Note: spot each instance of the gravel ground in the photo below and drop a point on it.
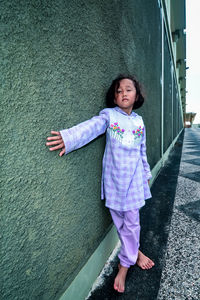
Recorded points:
(181, 272)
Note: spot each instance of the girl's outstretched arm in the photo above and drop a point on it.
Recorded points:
(56, 142)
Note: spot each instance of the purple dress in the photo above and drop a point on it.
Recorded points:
(125, 170)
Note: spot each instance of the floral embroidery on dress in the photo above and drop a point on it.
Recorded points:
(126, 137)
(116, 132)
(138, 132)
(116, 129)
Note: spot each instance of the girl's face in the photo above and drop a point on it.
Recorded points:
(125, 95)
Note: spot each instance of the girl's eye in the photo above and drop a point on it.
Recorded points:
(118, 91)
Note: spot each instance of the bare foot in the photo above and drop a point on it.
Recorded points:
(144, 262)
(119, 284)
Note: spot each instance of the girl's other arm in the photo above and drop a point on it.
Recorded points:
(56, 142)
(144, 157)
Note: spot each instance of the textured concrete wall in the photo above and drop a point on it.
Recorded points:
(167, 96)
(58, 59)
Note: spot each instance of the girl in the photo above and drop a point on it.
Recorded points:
(125, 172)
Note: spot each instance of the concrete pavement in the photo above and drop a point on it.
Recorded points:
(170, 230)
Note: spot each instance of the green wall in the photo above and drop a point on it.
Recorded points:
(58, 59)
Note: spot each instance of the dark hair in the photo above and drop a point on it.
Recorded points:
(110, 96)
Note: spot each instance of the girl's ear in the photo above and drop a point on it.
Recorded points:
(114, 100)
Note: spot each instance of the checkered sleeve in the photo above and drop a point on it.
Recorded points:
(144, 156)
(81, 134)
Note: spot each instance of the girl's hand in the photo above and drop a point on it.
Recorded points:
(56, 140)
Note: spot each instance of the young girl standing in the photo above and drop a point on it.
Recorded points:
(125, 170)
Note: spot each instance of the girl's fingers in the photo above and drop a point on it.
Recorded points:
(56, 136)
(55, 132)
(57, 147)
(62, 152)
(50, 138)
(56, 140)
(55, 143)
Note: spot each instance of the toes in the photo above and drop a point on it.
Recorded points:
(149, 264)
(118, 289)
(145, 263)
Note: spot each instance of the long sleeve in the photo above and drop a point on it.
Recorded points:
(81, 134)
(144, 157)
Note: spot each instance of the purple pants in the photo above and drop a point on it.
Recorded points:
(128, 228)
